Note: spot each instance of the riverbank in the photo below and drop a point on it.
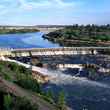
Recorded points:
(89, 35)
(18, 81)
(77, 43)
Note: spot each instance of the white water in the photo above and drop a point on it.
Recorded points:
(77, 88)
(59, 78)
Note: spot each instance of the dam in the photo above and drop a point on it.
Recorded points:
(51, 51)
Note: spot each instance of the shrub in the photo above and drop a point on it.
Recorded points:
(61, 101)
(7, 102)
(24, 104)
(27, 82)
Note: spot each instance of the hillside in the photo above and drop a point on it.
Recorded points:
(18, 90)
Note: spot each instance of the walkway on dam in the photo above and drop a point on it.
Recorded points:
(51, 51)
(61, 48)
(58, 51)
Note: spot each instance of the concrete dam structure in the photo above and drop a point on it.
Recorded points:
(38, 73)
(51, 51)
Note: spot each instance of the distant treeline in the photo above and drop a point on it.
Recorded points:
(82, 34)
(4, 30)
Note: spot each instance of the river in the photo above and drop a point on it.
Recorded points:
(25, 40)
(81, 92)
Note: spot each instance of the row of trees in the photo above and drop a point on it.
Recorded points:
(91, 27)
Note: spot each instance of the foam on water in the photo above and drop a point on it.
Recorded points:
(59, 78)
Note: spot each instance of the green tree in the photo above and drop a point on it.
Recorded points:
(7, 102)
(27, 82)
(13, 66)
(50, 96)
(61, 101)
(24, 104)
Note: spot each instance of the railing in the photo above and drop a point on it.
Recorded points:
(6, 49)
(55, 48)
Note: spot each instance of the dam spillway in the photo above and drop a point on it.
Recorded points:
(52, 51)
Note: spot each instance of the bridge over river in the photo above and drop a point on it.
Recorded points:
(51, 51)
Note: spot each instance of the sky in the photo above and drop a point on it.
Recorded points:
(54, 12)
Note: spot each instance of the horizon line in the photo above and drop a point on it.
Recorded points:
(55, 25)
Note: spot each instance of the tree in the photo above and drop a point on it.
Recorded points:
(50, 96)
(24, 104)
(13, 66)
(61, 101)
(27, 82)
(7, 102)
(1, 100)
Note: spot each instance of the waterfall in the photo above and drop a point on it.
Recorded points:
(59, 78)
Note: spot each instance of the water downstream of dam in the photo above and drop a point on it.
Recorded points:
(82, 92)
(86, 88)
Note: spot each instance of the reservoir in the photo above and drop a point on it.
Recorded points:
(25, 40)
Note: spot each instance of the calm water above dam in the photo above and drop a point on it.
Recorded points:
(25, 40)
